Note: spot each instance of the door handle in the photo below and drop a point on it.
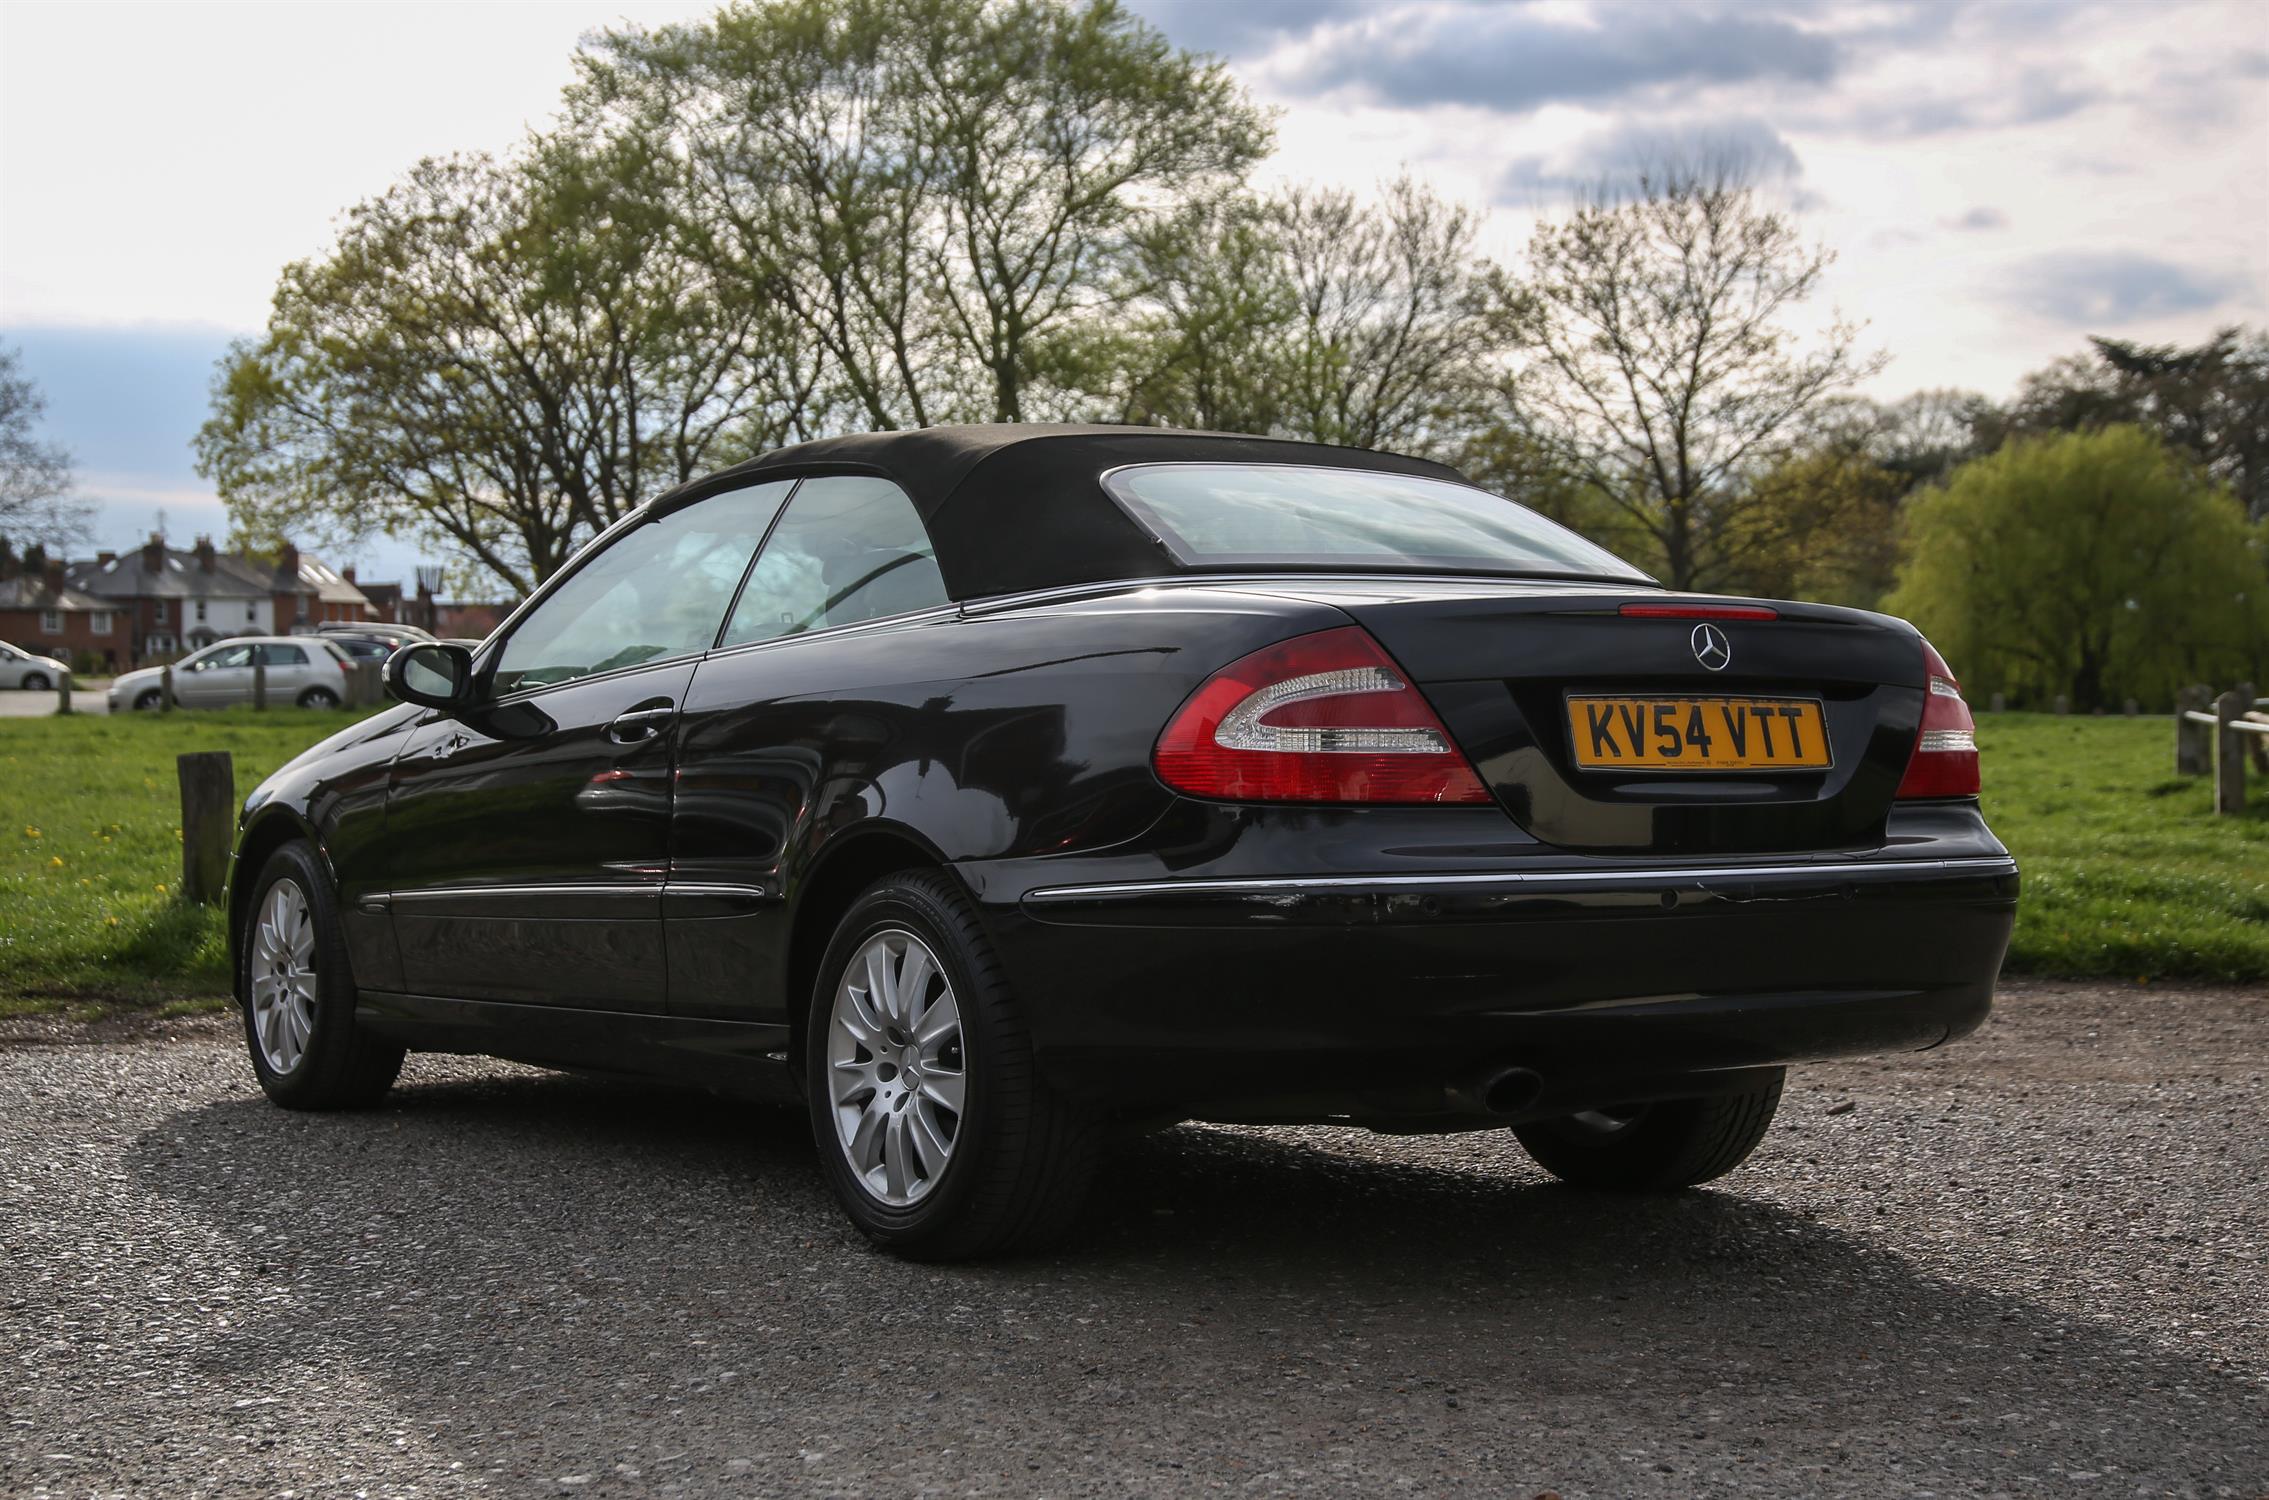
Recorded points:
(641, 723)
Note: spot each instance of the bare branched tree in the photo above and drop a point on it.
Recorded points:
(36, 502)
(1661, 362)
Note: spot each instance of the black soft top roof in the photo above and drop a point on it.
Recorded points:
(1015, 506)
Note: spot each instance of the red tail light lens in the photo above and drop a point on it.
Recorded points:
(1944, 762)
(1326, 717)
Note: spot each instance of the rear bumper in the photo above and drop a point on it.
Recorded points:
(1391, 998)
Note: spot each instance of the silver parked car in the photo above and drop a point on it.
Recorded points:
(21, 669)
(302, 669)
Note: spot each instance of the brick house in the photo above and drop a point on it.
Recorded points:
(178, 600)
(41, 613)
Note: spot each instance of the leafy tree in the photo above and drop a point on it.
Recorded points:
(2210, 400)
(2098, 565)
(35, 476)
(503, 356)
(945, 193)
(1314, 315)
(1659, 359)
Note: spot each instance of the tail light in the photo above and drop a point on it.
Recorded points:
(1327, 717)
(1944, 763)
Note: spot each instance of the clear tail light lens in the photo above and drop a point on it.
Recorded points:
(1327, 717)
(1944, 762)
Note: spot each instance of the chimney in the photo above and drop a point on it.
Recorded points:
(52, 575)
(105, 559)
(204, 551)
(287, 562)
(348, 572)
(153, 554)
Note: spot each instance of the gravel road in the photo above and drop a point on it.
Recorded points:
(2033, 1264)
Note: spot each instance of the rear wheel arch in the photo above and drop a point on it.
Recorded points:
(846, 866)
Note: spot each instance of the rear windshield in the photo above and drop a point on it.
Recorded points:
(1278, 515)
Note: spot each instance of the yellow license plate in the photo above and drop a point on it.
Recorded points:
(1698, 734)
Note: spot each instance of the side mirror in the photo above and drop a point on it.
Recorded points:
(435, 675)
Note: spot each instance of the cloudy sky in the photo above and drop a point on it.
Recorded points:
(1998, 179)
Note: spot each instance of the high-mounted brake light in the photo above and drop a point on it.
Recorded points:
(1327, 717)
(1944, 762)
(1699, 612)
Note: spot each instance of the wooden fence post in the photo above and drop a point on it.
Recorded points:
(208, 819)
(165, 688)
(2000, 704)
(259, 677)
(2063, 704)
(2229, 750)
(2193, 742)
(63, 693)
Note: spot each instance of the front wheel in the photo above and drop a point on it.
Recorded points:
(299, 995)
(35, 682)
(318, 698)
(149, 699)
(1672, 1143)
(934, 1130)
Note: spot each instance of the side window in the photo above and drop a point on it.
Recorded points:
(282, 656)
(657, 591)
(226, 656)
(850, 548)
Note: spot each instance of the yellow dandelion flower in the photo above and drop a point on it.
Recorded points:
(55, 863)
(30, 832)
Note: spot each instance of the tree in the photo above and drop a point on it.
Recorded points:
(35, 476)
(506, 356)
(947, 194)
(1314, 315)
(2210, 400)
(1659, 361)
(2098, 565)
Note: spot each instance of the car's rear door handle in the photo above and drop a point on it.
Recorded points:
(641, 723)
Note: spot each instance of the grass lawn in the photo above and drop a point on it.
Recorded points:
(90, 852)
(2127, 873)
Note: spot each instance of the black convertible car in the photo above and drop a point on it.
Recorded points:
(992, 788)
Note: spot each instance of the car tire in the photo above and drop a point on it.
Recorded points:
(35, 682)
(148, 699)
(298, 994)
(1016, 1157)
(1673, 1143)
(318, 698)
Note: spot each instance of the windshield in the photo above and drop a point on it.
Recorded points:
(1282, 515)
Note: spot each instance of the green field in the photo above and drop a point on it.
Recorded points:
(2127, 874)
(90, 852)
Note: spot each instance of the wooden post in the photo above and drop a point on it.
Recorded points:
(259, 677)
(165, 688)
(1999, 705)
(2229, 751)
(63, 693)
(2063, 704)
(208, 818)
(2131, 708)
(2193, 742)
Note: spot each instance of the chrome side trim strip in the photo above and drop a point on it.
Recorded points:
(640, 892)
(1536, 880)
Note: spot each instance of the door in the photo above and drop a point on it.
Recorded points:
(527, 837)
(766, 720)
(288, 673)
(219, 676)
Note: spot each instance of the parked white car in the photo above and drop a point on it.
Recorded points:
(302, 669)
(21, 669)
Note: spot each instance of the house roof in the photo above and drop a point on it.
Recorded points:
(181, 574)
(29, 591)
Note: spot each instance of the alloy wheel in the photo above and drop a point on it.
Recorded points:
(896, 1067)
(283, 980)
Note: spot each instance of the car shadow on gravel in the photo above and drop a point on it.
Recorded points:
(581, 1268)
